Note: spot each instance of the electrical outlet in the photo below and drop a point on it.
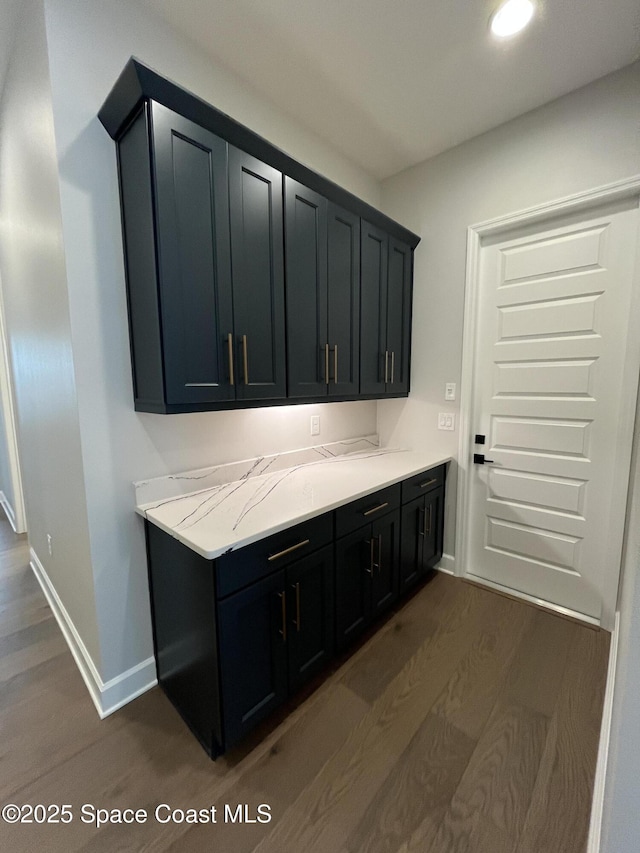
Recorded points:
(450, 391)
(446, 420)
(315, 424)
(50, 544)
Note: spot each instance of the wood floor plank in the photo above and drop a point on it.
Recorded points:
(476, 684)
(500, 778)
(422, 782)
(536, 677)
(561, 806)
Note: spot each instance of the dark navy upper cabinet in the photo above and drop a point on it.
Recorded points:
(205, 266)
(343, 294)
(385, 299)
(251, 279)
(323, 288)
(306, 265)
(194, 262)
(255, 191)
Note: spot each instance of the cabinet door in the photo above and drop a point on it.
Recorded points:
(412, 542)
(192, 218)
(343, 252)
(255, 209)
(384, 580)
(374, 360)
(310, 615)
(353, 585)
(306, 267)
(253, 654)
(398, 316)
(434, 517)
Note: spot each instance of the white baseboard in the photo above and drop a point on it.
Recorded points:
(8, 511)
(597, 803)
(447, 564)
(107, 696)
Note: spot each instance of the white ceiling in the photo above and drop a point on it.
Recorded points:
(392, 82)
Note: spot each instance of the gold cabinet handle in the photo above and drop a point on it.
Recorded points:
(326, 364)
(230, 346)
(430, 514)
(245, 359)
(286, 551)
(386, 366)
(369, 571)
(378, 565)
(283, 631)
(297, 620)
(335, 364)
(376, 508)
(428, 483)
(393, 365)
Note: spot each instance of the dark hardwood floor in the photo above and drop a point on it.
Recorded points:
(469, 722)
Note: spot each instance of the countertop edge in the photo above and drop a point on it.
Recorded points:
(298, 519)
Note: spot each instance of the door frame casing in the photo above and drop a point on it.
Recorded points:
(584, 201)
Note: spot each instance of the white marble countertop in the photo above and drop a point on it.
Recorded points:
(229, 515)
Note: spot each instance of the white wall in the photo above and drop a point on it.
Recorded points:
(583, 140)
(32, 267)
(89, 45)
(621, 820)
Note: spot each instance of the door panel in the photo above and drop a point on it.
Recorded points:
(411, 546)
(433, 515)
(552, 344)
(386, 538)
(310, 609)
(253, 655)
(373, 308)
(255, 208)
(353, 585)
(306, 264)
(398, 316)
(344, 300)
(190, 172)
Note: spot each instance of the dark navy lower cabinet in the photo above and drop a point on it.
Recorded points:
(366, 575)
(421, 541)
(236, 636)
(253, 655)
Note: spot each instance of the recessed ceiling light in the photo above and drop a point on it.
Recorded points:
(511, 17)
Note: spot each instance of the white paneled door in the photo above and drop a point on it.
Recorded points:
(549, 389)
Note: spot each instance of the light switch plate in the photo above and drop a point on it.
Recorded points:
(446, 420)
(315, 424)
(450, 391)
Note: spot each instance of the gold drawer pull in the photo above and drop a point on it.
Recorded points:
(376, 508)
(286, 551)
(428, 483)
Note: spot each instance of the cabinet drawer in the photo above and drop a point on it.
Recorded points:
(255, 561)
(367, 509)
(422, 483)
